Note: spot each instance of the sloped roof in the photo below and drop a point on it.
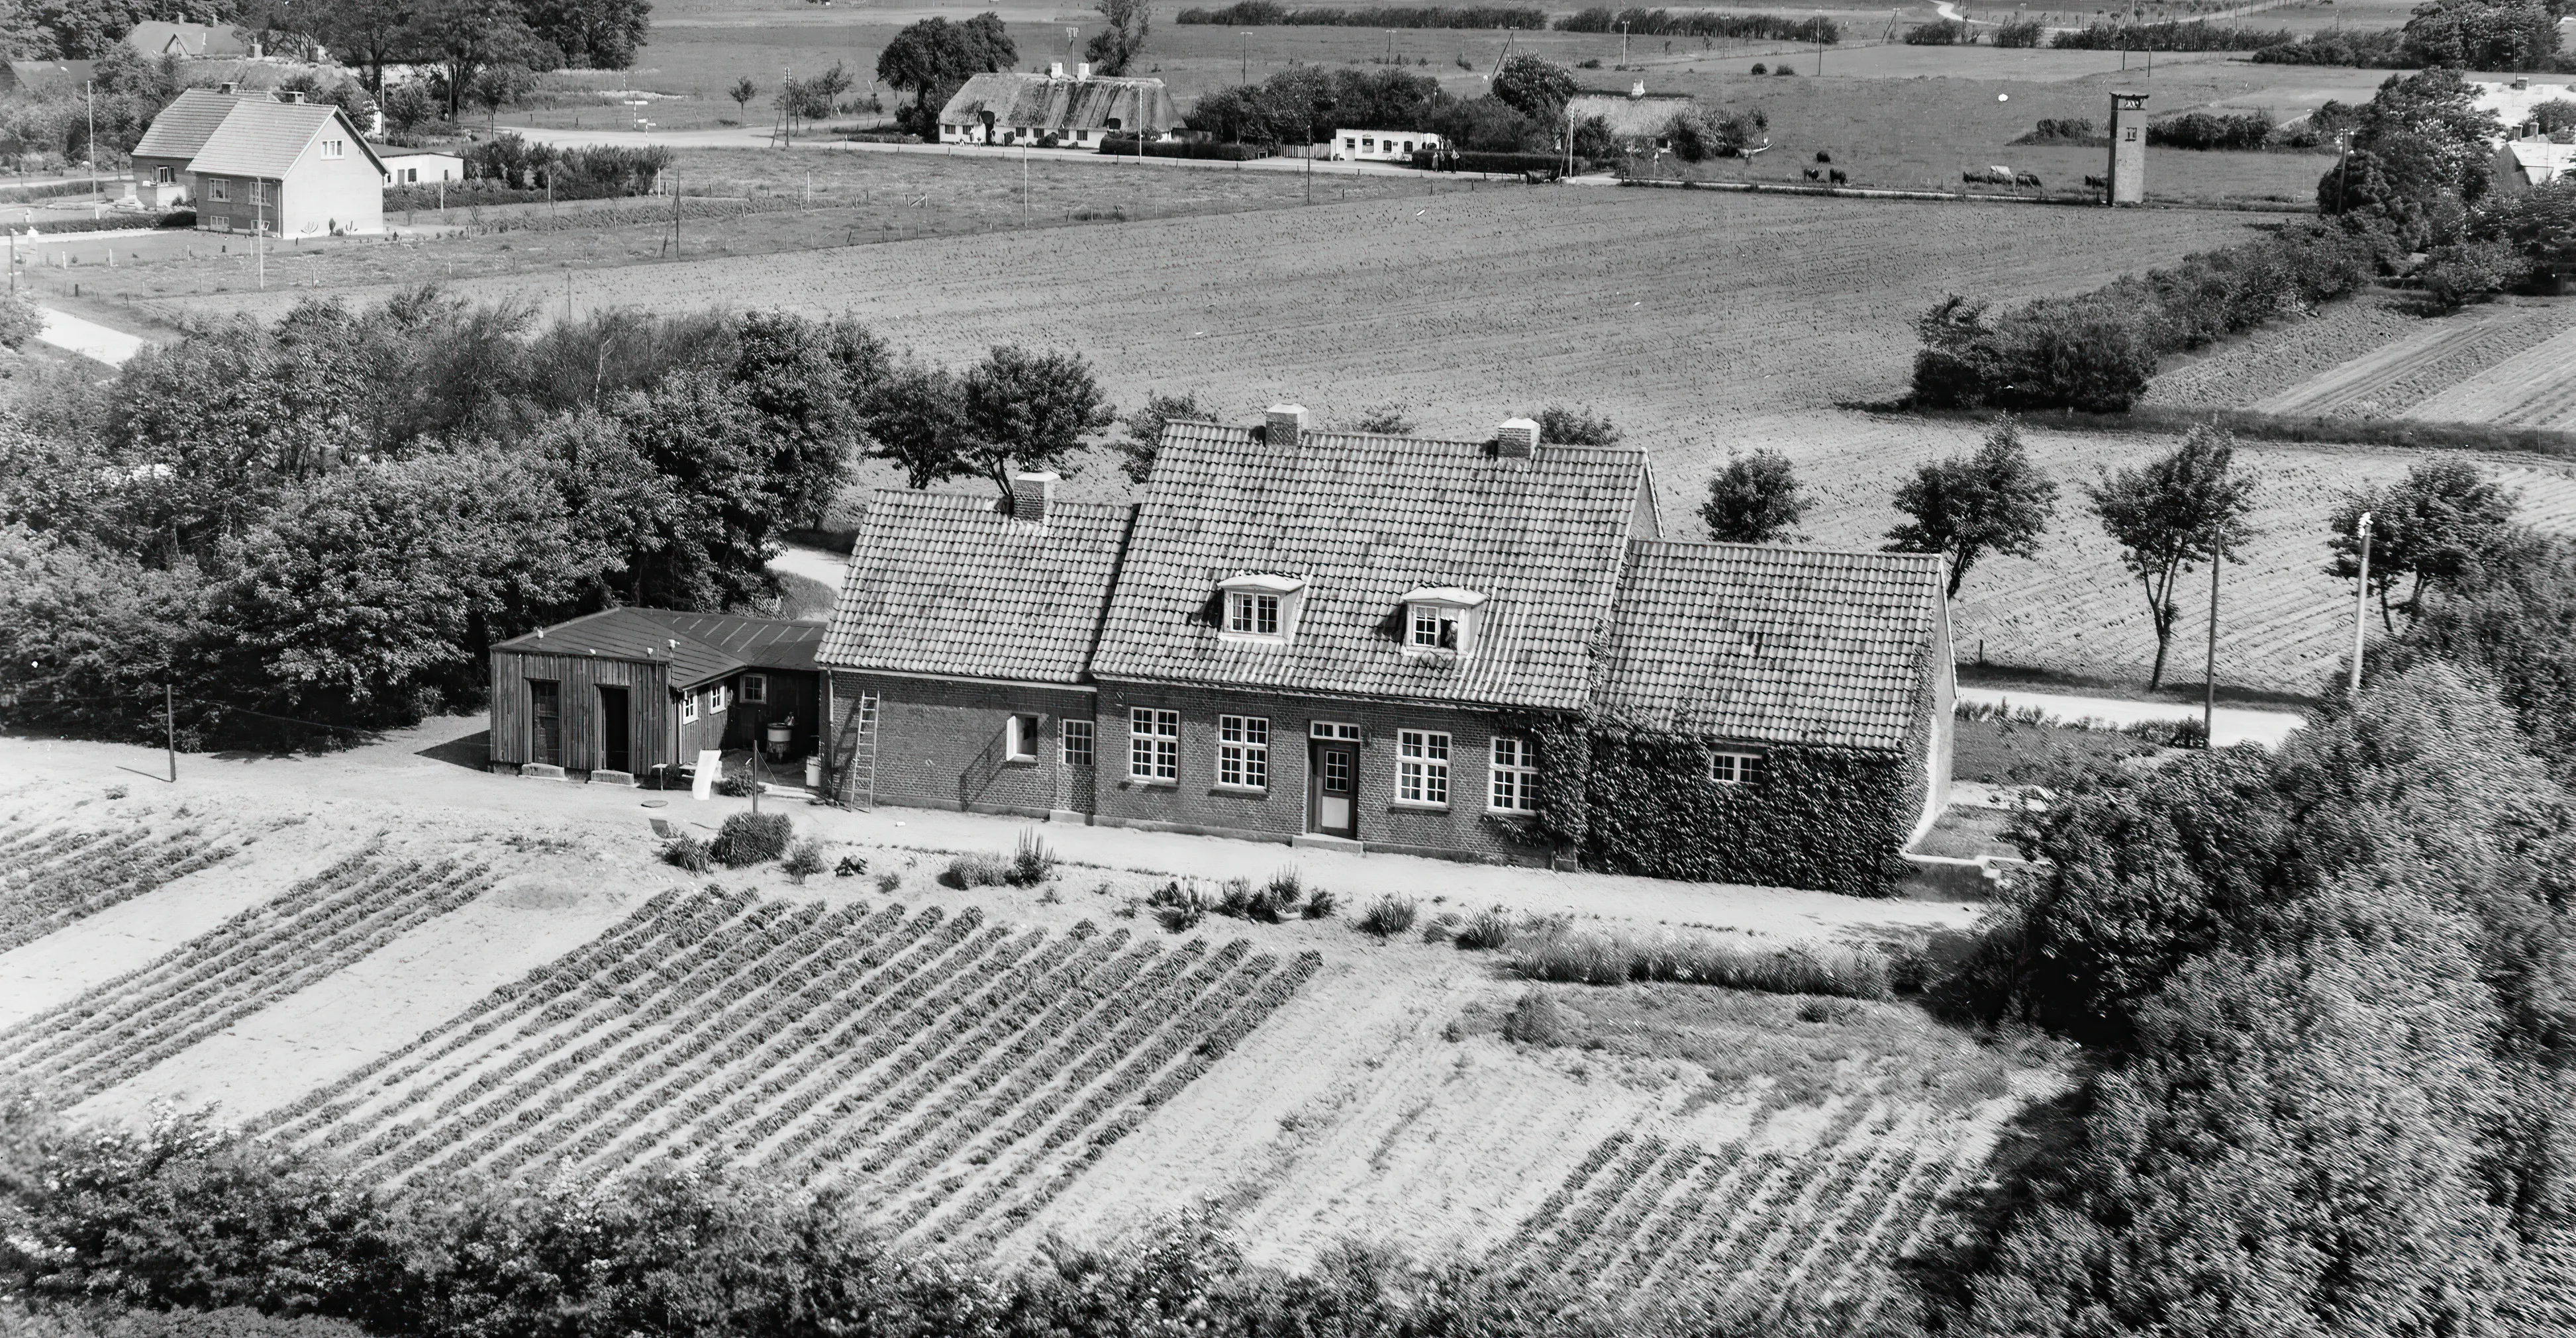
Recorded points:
(183, 127)
(947, 585)
(1365, 518)
(1048, 103)
(1629, 117)
(23, 76)
(260, 138)
(386, 153)
(159, 37)
(709, 645)
(1773, 644)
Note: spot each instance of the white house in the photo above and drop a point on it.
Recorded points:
(293, 169)
(1054, 111)
(413, 167)
(1380, 146)
(2533, 162)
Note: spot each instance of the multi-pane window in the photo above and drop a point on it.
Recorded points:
(716, 699)
(335, 148)
(1243, 751)
(1434, 627)
(1253, 615)
(755, 689)
(1333, 730)
(1077, 742)
(1735, 768)
(1515, 777)
(1154, 744)
(218, 190)
(1020, 738)
(688, 707)
(1421, 766)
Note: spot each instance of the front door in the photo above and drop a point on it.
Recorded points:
(545, 722)
(614, 754)
(1333, 783)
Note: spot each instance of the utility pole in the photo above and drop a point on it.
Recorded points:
(90, 87)
(170, 730)
(1024, 181)
(2209, 674)
(2361, 607)
(1623, 44)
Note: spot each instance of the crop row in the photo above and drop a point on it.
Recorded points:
(691, 918)
(120, 1028)
(1713, 1181)
(1623, 1233)
(49, 888)
(1206, 1035)
(1789, 1222)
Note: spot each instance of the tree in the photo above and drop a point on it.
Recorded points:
(1965, 507)
(742, 92)
(786, 373)
(594, 34)
(1391, 419)
(2425, 530)
(1754, 500)
(2482, 35)
(1144, 438)
(1028, 410)
(1114, 48)
(1572, 427)
(2187, 507)
(916, 418)
(408, 106)
(500, 85)
(933, 56)
(370, 34)
(696, 430)
(1536, 88)
(464, 36)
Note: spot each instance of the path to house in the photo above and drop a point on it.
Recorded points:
(88, 338)
(2235, 724)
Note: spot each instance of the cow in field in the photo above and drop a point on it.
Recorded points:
(1841, 178)
(1813, 174)
(2026, 179)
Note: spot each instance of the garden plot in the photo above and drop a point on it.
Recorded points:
(957, 1072)
(54, 873)
(2533, 388)
(2394, 380)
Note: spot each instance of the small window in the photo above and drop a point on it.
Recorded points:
(1737, 768)
(411, 175)
(1077, 742)
(1020, 738)
(1333, 731)
(335, 148)
(1252, 614)
(688, 707)
(1422, 767)
(219, 190)
(716, 699)
(1515, 777)
(1435, 628)
(1243, 752)
(755, 689)
(1154, 745)
(2132, 134)
(1408, 146)
(162, 175)
(1367, 143)
(1350, 143)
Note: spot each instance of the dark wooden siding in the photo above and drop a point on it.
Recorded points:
(649, 707)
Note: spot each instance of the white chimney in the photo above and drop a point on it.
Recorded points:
(1283, 425)
(1516, 439)
(1055, 69)
(1082, 70)
(227, 88)
(1032, 494)
(1637, 89)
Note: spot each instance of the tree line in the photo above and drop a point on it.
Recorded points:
(321, 525)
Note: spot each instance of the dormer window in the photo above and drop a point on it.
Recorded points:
(1261, 608)
(1440, 620)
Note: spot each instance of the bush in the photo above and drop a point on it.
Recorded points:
(1940, 32)
(688, 852)
(1442, 928)
(2064, 130)
(976, 869)
(1320, 904)
(2204, 130)
(1032, 863)
(738, 785)
(2026, 33)
(1120, 146)
(1486, 930)
(751, 838)
(2173, 35)
(1537, 1018)
(1389, 915)
(851, 866)
(1178, 906)
(1703, 23)
(804, 860)
(1458, 160)
(1269, 13)
(1759, 68)
(1784, 69)
(1611, 957)
(1268, 903)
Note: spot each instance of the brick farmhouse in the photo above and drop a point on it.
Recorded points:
(1472, 649)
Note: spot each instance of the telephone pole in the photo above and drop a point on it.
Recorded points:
(2361, 607)
(2209, 674)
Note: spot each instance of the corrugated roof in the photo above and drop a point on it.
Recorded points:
(183, 127)
(260, 138)
(160, 37)
(942, 584)
(1365, 518)
(1773, 645)
(709, 645)
(1042, 102)
(1629, 117)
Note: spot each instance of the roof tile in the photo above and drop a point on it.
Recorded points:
(947, 585)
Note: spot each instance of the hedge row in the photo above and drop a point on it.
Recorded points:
(2097, 351)
(176, 218)
(2207, 130)
(1227, 153)
(1438, 160)
(2173, 35)
(1271, 14)
(1701, 23)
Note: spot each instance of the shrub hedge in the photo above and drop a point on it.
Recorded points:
(1118, 147)
(1269, 13)
(1435, 160)
(176, 218)
(2204, 130)
(2172, 35)
(1702, 23)
(751, 838)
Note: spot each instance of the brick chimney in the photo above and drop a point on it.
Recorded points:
(295, 95)
(1283, 425)
(1516, 439)
(1033, 495)
(227, 88)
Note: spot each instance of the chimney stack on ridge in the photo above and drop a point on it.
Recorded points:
(1283, 425)
(1516, 439)
(1032, 495)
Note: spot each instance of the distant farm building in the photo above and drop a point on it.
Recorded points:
(1053, 109)
(294, 169)
(2534, 161)
(154, 38)
(1380, 146)
(1637, 119)
(413, 167)
(26, 78)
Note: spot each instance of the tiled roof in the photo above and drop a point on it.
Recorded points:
(1629, 117)
(1048, 103)
(388, 152)
(260, 138)
(183, 127)
(27, 76)
(160, 37)
(947, 585)
(1773, 644)
(709, 645)
(1364, 519)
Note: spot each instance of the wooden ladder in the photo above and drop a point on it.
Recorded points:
(859, 734)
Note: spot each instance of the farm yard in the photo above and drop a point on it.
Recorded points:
(961, 1059)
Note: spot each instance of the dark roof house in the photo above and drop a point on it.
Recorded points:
(1082, 106)
(155, 38)
(1353, 638)
(630, 692)
(181, 129)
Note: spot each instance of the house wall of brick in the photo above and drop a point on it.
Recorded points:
(1281, 812)
(942, 744)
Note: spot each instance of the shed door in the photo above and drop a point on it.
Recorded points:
(615, 753)
(545, 722)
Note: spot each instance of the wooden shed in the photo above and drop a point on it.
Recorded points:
(635, 693)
